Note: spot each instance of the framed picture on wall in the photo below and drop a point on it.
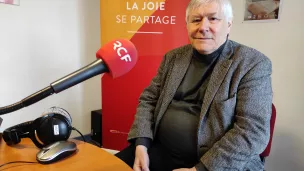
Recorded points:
(262, 10)
(11, 2)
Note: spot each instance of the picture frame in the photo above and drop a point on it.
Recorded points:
(10, 2)
(262, 10)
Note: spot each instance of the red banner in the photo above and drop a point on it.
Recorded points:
(155, 27)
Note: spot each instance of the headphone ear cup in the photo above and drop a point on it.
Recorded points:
(15, 139)
(52, 128)
(11, 137)
(14, 134)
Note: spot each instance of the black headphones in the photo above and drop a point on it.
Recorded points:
(54, 125)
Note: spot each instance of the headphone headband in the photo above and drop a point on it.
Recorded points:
(58, 110)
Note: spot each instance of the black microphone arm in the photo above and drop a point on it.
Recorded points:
(89, 71)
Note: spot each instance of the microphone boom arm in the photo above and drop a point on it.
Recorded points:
(89, 71)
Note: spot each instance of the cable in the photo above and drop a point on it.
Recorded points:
(79, 133)
(84, 138)
(92, 141)
(17, 162)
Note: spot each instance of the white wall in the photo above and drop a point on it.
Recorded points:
(42, 41)
(283, 43)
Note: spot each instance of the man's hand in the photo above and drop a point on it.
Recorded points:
(141, 162)
(184, 169)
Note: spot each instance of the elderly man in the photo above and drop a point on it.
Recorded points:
(209, 106)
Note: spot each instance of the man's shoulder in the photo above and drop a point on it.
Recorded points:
(180, 50)
(244, 52)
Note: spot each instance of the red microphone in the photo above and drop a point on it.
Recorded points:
(119, 55)
(116, 58)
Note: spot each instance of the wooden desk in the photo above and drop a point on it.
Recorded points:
(87, 158)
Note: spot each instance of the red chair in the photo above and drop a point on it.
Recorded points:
(266, 152)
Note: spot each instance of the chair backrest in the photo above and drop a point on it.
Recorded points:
(266, 152)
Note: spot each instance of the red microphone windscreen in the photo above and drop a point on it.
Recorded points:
(119, 55)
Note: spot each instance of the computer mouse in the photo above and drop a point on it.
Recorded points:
(56, 151)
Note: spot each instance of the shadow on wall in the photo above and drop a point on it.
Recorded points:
(287, 153)
(89, 17)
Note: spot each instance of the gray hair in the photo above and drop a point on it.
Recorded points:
(225, 5)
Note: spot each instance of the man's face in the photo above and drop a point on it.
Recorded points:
(207, 28)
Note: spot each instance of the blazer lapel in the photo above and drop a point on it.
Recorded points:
(219, 72)
(177, 73)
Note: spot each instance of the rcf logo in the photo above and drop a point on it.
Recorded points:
(118, 48)
(118, 132)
